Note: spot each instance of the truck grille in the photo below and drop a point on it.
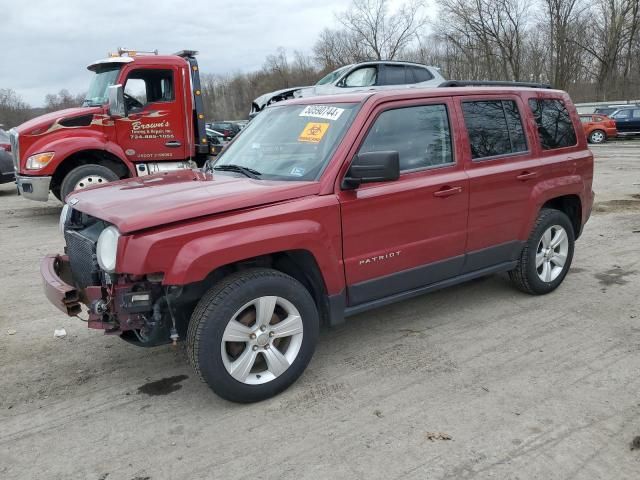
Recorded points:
(82, 258)
(13, 140)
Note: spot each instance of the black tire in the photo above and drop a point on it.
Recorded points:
(217, 308)
(78, 173)
(597, 136)
(525, 275)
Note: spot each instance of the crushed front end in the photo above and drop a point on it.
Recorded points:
(137, 307)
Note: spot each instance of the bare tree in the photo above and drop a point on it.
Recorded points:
(61, 100)
(383, 35)
(13, 110)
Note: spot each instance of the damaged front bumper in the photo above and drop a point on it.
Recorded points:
(56, 275)
(126, 306)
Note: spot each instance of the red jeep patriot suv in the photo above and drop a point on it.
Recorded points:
(323, 208)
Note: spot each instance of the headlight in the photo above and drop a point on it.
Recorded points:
(107, 248)
(64, 215)
(39, 160)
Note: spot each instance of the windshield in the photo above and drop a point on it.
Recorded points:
(292, 142)
(97, 94)
(333, 76)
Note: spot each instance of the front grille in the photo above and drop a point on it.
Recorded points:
(82, 259)
(13, 140)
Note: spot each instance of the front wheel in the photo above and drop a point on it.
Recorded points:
(597, 136)
(253, 334)
(547, 255)
(86, 176)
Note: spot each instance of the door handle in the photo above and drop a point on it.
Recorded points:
(526, 175)
(173, 144)
(447, 191)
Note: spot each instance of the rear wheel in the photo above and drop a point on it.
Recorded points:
(546, 258)
(86, 176)
(253, 334)
(597, 136)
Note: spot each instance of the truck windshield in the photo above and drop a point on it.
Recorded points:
(292, 142)
(97, 94)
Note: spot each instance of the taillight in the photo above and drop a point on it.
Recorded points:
(5, 146)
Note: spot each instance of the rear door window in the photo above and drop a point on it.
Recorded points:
(555, 129)
(494, 128)
(395, 75)
(421, 136)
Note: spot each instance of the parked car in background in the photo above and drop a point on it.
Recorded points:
(379, 75)
(228, 129)
(7, 172)
(217, 141)
(609, 110)
(322, 208)
(627, 121)
(598, 128)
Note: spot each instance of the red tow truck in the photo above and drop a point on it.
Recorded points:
(143, 114)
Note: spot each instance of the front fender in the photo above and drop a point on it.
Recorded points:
(65, 146)
(188, 252)
(197, 258)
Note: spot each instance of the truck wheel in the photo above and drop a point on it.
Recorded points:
(547, 255)
(86, 176)
(597, 136)
(253, 334)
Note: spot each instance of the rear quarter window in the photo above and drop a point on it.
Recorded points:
(494, 128)
(555, 128)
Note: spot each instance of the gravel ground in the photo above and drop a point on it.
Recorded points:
(476, 381)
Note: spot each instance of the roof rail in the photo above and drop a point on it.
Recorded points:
(491, 83)
(186, 53)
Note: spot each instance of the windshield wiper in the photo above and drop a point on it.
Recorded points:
(246, 171)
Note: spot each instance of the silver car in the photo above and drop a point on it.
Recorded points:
(377, 75)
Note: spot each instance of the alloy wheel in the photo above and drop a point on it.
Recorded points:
(262, 340)
(552, 252)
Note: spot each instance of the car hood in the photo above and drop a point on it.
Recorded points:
(263, 100)
(35, 125)
(145, 202)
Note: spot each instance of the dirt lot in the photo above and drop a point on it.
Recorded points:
(476, 381)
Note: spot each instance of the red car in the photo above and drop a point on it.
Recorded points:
(598, 128)
(323, 208)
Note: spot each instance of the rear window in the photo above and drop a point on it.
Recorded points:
(421, 74)
(494, 128)
(555, 128)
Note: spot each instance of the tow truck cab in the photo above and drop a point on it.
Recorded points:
(143, 114)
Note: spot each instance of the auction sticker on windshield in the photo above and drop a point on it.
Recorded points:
(313, 132)
(322, 111)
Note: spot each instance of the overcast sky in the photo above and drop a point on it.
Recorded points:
(46, 45)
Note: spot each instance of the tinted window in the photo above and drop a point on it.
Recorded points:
(420, 74)
(420, 135)
(494, 128)
(626, 113)
(394, 75)
(555, 128)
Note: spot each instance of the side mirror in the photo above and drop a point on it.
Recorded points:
(117, 107)
(372, 167)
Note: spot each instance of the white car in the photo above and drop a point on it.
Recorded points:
(358, 77)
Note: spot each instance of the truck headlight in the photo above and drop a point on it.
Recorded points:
(39, 160)
(64, 215)
(107, 249)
